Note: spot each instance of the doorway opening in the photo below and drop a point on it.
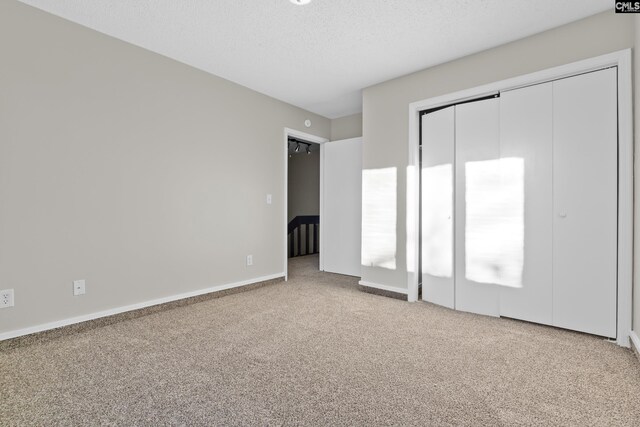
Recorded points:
(303, 198)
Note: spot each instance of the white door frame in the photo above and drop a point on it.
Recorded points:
(621, 59)
(316, 140)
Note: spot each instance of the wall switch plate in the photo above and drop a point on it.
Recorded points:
(268, 199)
(78, 287)
(6, 298)
(249, 260)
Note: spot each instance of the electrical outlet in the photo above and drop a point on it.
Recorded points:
(249, 260)
(78, 287)
(6, 298)
(269, 198)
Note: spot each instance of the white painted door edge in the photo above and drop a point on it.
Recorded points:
(621, 59)
(317, 140)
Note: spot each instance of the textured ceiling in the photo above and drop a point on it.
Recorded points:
(319, 56)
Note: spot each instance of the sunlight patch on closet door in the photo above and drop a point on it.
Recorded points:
(494, 221)
(437, 224)
(413, 186)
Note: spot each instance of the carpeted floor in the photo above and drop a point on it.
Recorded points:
(317, 351)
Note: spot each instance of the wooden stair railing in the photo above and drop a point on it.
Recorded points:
(311, 225)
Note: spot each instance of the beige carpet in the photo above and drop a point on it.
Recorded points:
(317, 351)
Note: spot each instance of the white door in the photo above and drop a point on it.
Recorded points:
(341, 216)
(481, 235)
(585, 202)
(437, 158)
(526, 133)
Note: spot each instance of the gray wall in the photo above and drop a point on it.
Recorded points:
(142, 175)
(385, 106)
(304, 185)
(346, 127)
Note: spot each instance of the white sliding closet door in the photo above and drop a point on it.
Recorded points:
(438, 139)
(526, 133)
(585, 202)
(531, 179)
(479, 230)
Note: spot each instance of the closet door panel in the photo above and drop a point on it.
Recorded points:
(526, 135)
(585, 202)
(477, 208)
(438, 139)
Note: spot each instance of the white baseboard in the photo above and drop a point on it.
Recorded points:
(383, 287)
(124, 309)
(635, 342)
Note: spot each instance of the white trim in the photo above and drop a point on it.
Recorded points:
(625, 198)
(413, 210)
(383, 287)
(635, 341)
(621, 59)
(316, 140)
(137, 306)
(321, 207)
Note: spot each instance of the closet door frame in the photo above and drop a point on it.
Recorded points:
(620, 59)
